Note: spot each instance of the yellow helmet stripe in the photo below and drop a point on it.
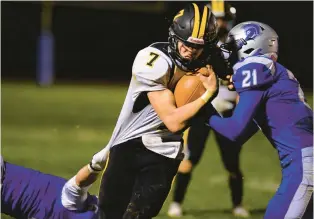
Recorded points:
(203, 23)
(196, 21)
(179, 14)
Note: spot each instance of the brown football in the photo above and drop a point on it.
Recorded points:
(189, 87)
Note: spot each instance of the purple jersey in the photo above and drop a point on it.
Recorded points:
(271, 96)
(27, 193)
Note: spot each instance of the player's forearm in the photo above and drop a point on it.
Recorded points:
(236, 126)
(231, 128)
(85, 177)
(176, 119)
(180, 117)
(88, 174)
(250, 130)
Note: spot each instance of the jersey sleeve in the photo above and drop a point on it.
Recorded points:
(150, 71)
(237, 126)
(254, 72)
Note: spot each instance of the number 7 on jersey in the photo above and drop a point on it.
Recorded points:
(151, 62)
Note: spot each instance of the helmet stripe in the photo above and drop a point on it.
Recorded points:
(203, 23)
(179, 14)
(196, 21)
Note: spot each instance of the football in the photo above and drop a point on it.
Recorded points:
(190, 87)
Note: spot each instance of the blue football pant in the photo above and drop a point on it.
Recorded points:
(296, 189)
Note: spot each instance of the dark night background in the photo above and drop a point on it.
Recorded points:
(95, 42)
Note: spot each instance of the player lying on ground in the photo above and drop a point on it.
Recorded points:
(27, 193)
(197, 135)
(146, 145)
(271, 96)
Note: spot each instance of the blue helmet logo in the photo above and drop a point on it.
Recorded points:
(252, 31)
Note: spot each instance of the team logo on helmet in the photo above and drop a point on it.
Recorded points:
(196, 40)
(252, 31)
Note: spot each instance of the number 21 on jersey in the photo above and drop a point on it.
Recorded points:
(250, 78)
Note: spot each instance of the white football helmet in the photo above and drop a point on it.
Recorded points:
(252, 36)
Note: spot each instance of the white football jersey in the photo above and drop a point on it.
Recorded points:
(152, 70)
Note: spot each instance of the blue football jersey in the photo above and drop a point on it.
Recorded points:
(253, 72)
(271, 96)
(27, 193)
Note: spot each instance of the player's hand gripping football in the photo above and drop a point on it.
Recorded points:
(209, 79)
(230, 83)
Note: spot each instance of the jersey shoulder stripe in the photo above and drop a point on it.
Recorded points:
(261, 60)
(162, 46)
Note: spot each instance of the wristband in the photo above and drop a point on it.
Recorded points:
(206, 96)
(92, 169)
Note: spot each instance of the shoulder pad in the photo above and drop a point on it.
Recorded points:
(162, 46)
(151, 64)
(253, 72)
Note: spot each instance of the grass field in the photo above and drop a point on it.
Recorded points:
(57, 130)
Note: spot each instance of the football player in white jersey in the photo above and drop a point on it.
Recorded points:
(196, 136)
(146, 145)
(145, 149)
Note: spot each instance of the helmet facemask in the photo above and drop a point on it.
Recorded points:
(187, 64)
(203, 36)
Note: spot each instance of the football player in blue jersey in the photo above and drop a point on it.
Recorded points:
(271, 97)
(27, 193)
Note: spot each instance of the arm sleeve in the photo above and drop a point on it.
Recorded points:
(236, 126)
(250, 130)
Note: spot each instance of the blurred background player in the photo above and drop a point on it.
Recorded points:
(28, 193)
(196, 135)
(271, 98)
